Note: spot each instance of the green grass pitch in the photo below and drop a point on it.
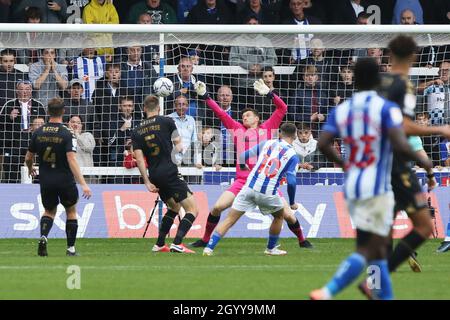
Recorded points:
(126, 269)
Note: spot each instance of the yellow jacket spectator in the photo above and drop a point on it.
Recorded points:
(101, 12)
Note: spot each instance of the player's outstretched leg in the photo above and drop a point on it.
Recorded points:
(407, 246)
(164, 228)
(191, 210)
(71, 230)
(46, 225)
(221, 230)
(371, 251)
(274, 234)
(294, 226)
(224, 202)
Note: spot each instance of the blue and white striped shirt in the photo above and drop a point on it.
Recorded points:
(363, 122)
(276, 160)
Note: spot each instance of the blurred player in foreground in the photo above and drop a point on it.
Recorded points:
(371, 127)
(245, 136)
(155, 139)
(56, 146)
(276, 160)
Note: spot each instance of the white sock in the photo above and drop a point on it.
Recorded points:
(71, 249)
(328, 294)
(447, 238)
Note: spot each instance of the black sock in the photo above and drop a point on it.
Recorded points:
(184, 227)
(404, 249)
(164, 229)
(46, 225)
(71, 232)
(213, 219)
(390, 248)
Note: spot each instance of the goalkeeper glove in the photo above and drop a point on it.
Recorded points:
(200, 89)
(262, 88)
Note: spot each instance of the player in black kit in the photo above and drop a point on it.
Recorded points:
(405, 185)
(154, 140)
(55, 146)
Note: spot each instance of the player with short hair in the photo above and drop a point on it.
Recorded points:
(56, 146)
(245, 136)
(408, 193)
(371, 127)
(276, 161)
(153, 142)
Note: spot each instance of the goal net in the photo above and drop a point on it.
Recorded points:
(103, 72)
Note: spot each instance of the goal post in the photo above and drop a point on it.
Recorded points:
(104, 72)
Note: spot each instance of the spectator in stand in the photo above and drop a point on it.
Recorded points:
(30, 56)
(437, 96)
(137, 76)
(347, 11)
(210, 149)
(376, 53)
(150, 53)
(85, 145)
(310, 103)
(5, 8)
(85, 142)
(407, 17)
(37, 123)
(262, 13)
(363, 18)
(54, 11)
(74, 104)
(344, 88)
(316, 8)
(212, 12)
(16, 117)
(183, 83)
(89, 68)
(436, 12)
(102, 12)
(209, 12)
(298, 17)
(412, 5)
(187, 129)
(326, 67)
(257, 53)
(159, 11)
(306, 148)
(9, 76)
(106, 101)
(48, 77)
(183, 9)
(120, 128)
(442, 80)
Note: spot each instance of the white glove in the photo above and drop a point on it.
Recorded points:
(261, 87)
(200, 88)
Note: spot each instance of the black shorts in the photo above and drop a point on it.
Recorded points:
(53, 195)
(172, 186)
(407, 191)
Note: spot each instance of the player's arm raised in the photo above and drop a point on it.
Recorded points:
(75, 168)
(275, 119)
